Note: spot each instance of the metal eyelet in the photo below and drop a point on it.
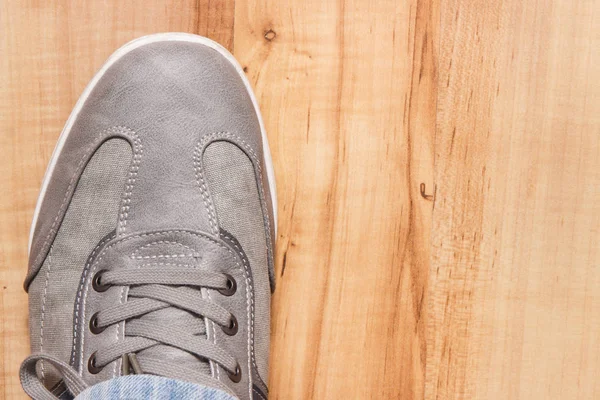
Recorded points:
(231, 286)
(92, 365)
(94, 328)
(97, 282)
(232, 328)
(237, 375)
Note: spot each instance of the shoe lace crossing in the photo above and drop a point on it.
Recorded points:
(150, 290)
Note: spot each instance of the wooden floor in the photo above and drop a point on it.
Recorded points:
(438, 171)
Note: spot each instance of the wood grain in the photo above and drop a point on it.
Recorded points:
(515, 277)
(438, 170)
(346, 89)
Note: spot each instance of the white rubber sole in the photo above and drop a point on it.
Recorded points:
(134, 44)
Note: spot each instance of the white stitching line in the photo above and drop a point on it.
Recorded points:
(205, 141)
(259, 393)
(162, 256)
(44, 313)
(155, 242)
(249, 307)
(158, 264)
(78, 169)
(214, 335)
(82, 287)
(137, 147)
(146, 246)
(249, 310)
(133, 171)
(251, 321)
(212, 217)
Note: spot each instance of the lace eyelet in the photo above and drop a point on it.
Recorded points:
(232, 328)
(94, 328)
(97, 282)
(231, 286)
(92, 365)
(237, 375)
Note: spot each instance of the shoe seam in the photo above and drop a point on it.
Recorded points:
(78, 298)
(137, 149)
(44, 298)
(116, 130)
(251, 357)
(205, 141)
(206, 199)
(135, 254)
(259, 393)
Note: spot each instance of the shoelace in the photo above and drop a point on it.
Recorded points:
(151, 289)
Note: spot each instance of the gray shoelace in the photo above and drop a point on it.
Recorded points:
(151, 289)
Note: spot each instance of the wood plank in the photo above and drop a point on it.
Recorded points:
(50, 50)
(347, 93)
(348, 90)
(516, 232)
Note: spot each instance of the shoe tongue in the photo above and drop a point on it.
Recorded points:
(169, 255)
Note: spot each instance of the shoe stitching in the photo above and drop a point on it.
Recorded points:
(240, 270)
(77, 300)
(154, 243)
(251, 334)
(205, 141)
(133, 171)
(101, 255)
(212, 216)
(137, 149)
(78, 169)
(118, 330)
(162, 256)
(214, 336)
(44, 297)
(203, 144)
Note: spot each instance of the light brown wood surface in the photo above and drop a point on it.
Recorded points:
(438, 171)
(515, 271)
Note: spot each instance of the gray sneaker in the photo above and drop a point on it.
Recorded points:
(152, 241)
